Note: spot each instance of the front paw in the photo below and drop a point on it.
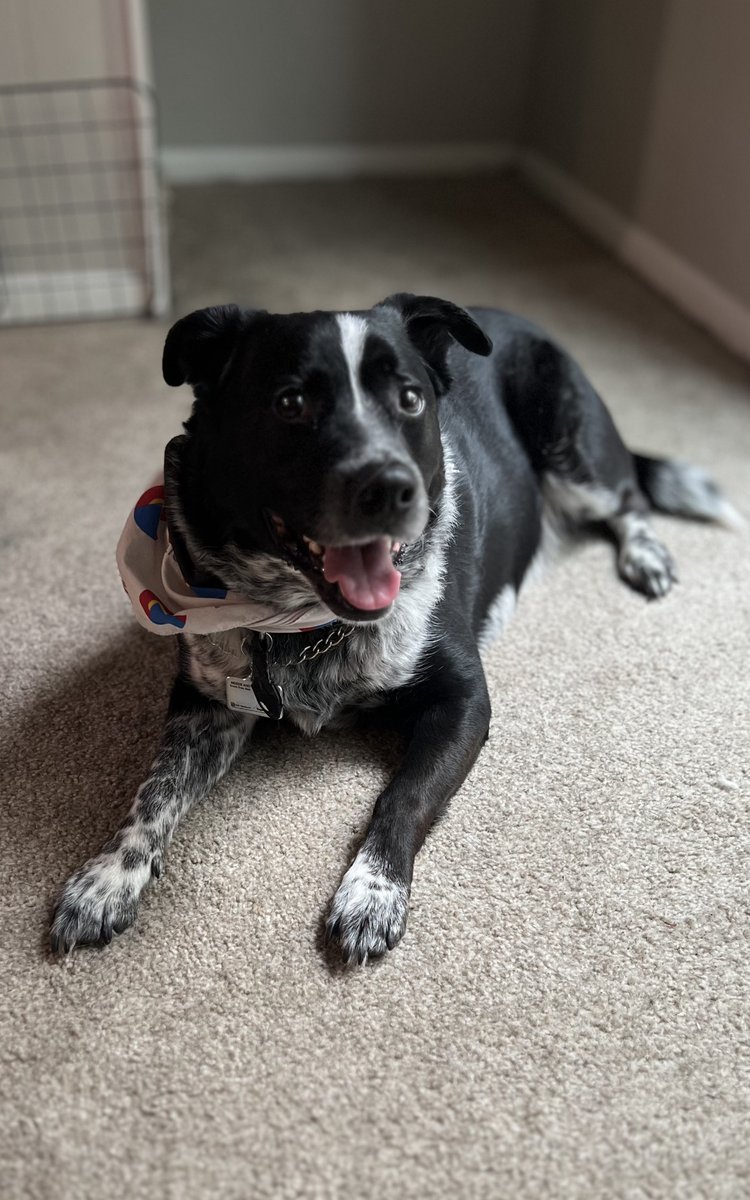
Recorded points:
(368, 913)
(99, 900)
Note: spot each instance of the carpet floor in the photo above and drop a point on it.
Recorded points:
(567, 1015)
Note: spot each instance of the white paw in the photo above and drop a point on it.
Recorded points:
(101, 899)
(368, 913)
(646, 564)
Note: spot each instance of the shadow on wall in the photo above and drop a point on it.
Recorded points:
(592, 81)
(279, 73)
(636, 125)
(434, 71)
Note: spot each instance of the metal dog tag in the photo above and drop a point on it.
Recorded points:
(245, 696)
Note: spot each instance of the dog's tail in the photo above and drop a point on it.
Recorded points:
(677, 487)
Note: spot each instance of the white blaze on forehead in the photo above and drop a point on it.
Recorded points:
(353, 331)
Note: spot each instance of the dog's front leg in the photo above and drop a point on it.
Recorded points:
(368, 913)
(201, 739)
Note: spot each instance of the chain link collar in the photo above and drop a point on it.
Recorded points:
(309, 653)
(336, 636)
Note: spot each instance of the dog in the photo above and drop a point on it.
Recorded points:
(349, 516)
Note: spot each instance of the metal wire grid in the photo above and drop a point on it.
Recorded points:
(81, 220)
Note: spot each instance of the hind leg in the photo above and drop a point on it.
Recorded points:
(643, 561)
(587, 473)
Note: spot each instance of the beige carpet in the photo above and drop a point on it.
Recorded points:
(568, 1013)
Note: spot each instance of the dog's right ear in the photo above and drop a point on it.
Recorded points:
(199, 346)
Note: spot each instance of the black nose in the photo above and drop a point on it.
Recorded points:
(385, 491)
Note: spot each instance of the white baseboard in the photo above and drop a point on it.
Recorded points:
(257, 164)
(687, 287)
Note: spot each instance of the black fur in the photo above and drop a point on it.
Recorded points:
(312, 423)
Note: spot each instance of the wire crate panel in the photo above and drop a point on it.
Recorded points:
(81, 216)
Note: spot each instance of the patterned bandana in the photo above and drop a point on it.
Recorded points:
(165, 603)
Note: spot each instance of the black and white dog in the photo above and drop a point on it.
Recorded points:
(398, 468)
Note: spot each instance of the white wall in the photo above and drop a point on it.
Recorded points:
(292, 74)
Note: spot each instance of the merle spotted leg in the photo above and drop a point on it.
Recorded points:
(201, 740)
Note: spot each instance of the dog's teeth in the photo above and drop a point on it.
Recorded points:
(315, 547)
(395, 547)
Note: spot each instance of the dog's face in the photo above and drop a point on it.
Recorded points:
(315, 438)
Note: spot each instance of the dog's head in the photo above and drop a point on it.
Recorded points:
(314, 439)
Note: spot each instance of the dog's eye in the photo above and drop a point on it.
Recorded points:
(291, 406)
(411, 401)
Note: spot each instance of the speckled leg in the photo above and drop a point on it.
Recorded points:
(201, 740)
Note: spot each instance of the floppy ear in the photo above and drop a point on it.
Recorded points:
(431, 324)
(199, 346)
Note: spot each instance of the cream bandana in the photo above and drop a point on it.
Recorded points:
(165, 603)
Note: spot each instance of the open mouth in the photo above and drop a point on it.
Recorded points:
(355, 579)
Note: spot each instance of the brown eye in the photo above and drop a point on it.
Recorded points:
(291, 406)
(411, 401)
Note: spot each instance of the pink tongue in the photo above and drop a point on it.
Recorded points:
(366, 575)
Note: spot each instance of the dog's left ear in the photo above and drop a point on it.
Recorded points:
(199, 346)
(431, 324)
